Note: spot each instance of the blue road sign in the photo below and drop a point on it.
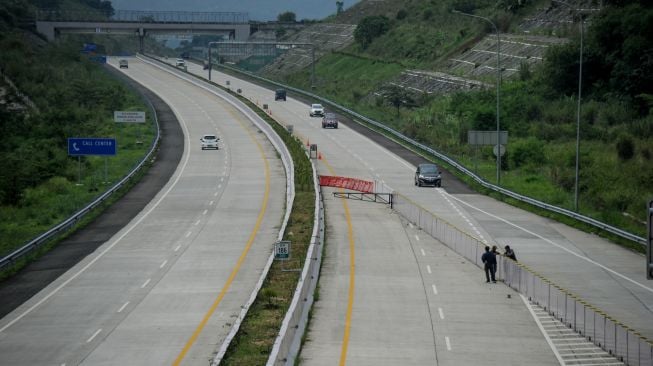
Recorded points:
(91, 146)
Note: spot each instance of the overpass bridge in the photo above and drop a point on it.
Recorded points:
(234, 25)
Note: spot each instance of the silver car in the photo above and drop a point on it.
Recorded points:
(210, 142)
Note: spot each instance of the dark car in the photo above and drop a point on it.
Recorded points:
(330, 120)
(428, 175)
(280, 94)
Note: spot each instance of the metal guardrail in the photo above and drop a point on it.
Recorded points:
(588, 220)
(623, 343)
(142, 16)
(72, 220)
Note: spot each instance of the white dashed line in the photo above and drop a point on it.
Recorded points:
(123, 307)
(441, 313)
(423, 252)
(163, 264)
(94, 335)
(197, 222)
(215, 194)
(446, 339)
(221, 179)
(188, 233)
(146, 283)
(205, 211)
(435, 289)
(411, 225)
(428, 269)
(177, 248)
(416, 237)
(211, 203)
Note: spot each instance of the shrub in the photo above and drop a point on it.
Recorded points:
(370, 28)
(401, 14)
(526, 152)
(625, 148)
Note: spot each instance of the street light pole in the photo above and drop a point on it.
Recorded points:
(580, 85)
(496, 30)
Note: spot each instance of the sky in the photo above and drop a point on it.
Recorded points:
(257, 9)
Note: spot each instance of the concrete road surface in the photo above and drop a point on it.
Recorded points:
(165, 289)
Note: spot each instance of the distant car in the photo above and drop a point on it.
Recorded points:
(428, 175)
(123, 64)
(280, 94)
(180, 62)
(210, 142)
(316, 110)
(330, 120)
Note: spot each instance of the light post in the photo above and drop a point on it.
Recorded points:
(580, 84)
(496, 30)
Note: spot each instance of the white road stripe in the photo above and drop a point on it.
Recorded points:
(123, 307)
(416, 237)
(94, 335)
(435, 289)
(146, 283)
(177, 248)
(446, 339)
(211, 203)
(441, 313)
(197, 222)
(428, 268)
(188, 233)
(163, 264)
(205, 211)
(215, 194)
(539, 325)
(423, 252)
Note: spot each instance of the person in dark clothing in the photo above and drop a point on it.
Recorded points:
(510, 253)
(490, 261)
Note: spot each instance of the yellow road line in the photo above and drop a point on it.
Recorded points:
(241, 259)
(352, 277)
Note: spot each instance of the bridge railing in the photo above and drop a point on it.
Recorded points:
(142, 16)
(622, 342)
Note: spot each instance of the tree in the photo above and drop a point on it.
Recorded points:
(369, 28)
(287, 17)
(396, 96)
(339, 5)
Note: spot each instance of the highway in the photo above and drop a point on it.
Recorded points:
(377, 292)
(166, 288)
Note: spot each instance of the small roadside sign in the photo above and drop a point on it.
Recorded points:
(129, 116)
(79, 146)
(282, 250)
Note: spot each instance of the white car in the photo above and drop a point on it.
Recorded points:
(210, 142)
(180, 62)
(316, 110)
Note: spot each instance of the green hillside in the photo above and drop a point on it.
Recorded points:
(538, 107)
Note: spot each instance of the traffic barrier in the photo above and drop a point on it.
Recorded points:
(354, 184)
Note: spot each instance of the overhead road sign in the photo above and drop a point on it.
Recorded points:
(80, 146)
(129, 116)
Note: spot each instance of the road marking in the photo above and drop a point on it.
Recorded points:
(441, 313)
(219, 186)
(435, 289)
(205, 211)
(163, 264)
(146, 283)
(177, 248)
(107, 249)
(428, 268)
(123, 307)
(423, 252)
(211, 203)
(241, 259)
(94, 335)
(215, 194)
(188, 233)
(446, 339)
(416, 237)
(557, 245)
(221, 180)
(197, 222)
(411, 225)
(544, 333)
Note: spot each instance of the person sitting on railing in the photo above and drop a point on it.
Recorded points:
(509, 253)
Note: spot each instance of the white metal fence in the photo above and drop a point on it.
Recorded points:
(615, 338)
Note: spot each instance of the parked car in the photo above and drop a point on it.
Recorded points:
(123, 64)
(428, 175)
(280, 94)
(180, 62)
(316, 110)
(330, 120)
(210, 142)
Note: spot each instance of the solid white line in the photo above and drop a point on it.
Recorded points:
(94, 335)
(446, 339)
(205, 211)
(163, 264)
(146, 282)
(435, 289)
(428, 268)
(177, 248)
(123, 307)
(416, 237)
(544, 333)
(107, 249)
(423, 252)
(441, 313)
(558, 246)
(188, 233)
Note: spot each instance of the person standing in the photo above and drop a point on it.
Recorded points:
(490, 261)
(510, 253)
